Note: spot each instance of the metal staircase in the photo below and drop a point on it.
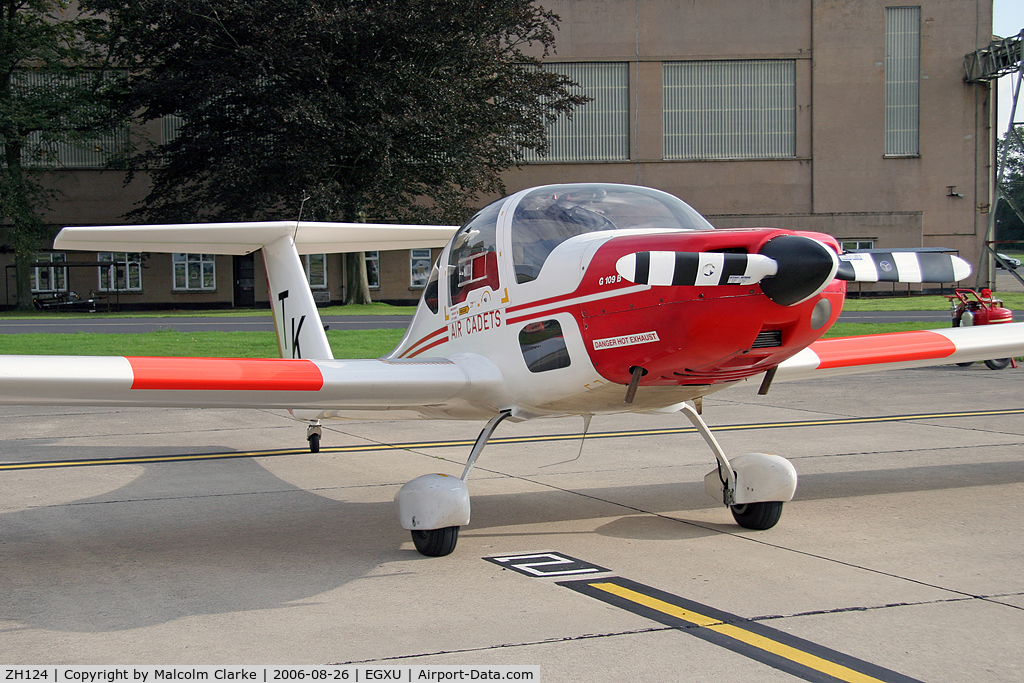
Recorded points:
(1002, 57)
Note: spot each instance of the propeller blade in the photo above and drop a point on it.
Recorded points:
(902, 266)
(694, 269)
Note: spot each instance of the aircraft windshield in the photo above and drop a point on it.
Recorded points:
(549, 216)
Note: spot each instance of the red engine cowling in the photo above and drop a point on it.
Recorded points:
(698, 335)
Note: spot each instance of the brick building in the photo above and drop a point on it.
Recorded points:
(850, 117)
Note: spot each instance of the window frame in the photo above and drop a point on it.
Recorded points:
(702, 122)
(55, 274)
(307, 266)
(599, 131)
(420, 263)
(192, 259)
(902, 82)
(132, 271)
(372, 259)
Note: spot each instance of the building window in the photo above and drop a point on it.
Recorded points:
(195, 272)
(419, 267)
(850, 245)
(124, 272)
(316, 270)
(737, 109)
(372, 269)
(902, 81)
(41, 151)
(49, 279)
(599, 130)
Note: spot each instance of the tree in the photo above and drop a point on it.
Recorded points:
(388, 109)
(51, 59)
(1010, 206)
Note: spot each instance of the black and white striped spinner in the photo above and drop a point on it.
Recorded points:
(694, 269)
(902, 266)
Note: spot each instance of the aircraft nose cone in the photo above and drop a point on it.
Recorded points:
(806, 266)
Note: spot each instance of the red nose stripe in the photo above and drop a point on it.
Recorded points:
(870, 349)
(225, 374)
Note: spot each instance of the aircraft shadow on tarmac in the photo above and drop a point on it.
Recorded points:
(178, 541)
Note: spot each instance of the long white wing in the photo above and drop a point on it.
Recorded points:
(467, 385)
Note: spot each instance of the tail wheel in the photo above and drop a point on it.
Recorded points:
(436, 542)
(997, 363)
(759, 516)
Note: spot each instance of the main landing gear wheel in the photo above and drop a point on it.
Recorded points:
(758, 516)
(997, 363)
(436, 542)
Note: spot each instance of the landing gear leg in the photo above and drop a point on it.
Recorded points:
(434, 506)
(754, 485)
(313, 433)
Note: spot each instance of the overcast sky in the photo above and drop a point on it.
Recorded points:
(1007, 20)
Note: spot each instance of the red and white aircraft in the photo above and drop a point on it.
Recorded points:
(562, 300)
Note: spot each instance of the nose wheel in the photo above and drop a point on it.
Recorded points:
(758, 516)
(313, 433)
(436, 542)
(753, 485)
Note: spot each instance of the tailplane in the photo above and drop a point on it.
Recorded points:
(300, 332)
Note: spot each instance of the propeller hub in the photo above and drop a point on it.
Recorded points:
(805, 267)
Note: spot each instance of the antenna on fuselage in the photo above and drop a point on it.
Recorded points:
(298, 221)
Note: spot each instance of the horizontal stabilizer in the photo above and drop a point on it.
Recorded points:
(243, 238)
(902, 266)
(694, 269)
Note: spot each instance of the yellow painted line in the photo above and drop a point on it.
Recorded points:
(503, 440)
(793, 654)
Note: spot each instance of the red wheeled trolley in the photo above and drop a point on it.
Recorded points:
(971, 308)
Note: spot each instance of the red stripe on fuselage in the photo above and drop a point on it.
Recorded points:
(413, 354)
(870, 349)
(225, 374)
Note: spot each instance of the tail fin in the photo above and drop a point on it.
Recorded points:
(300, 333)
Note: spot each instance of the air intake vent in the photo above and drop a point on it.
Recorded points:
(768, 339)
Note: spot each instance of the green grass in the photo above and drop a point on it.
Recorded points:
(1012, 300)
(366, 309)
(859, 329)
(345, 344)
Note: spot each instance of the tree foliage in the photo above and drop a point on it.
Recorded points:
(375, 109)
(51, 59)
(1010, 207)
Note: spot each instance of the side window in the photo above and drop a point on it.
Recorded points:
(543, 346)
(430, 292)
(473, 259)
